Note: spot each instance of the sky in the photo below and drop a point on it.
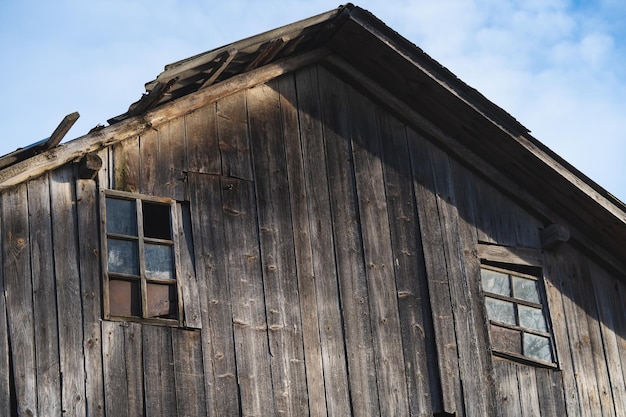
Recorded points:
(557, 66)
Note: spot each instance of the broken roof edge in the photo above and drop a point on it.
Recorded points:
(171, 70)
(167, 79)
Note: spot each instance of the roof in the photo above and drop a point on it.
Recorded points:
(363, 50)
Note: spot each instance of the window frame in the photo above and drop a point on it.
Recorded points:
(525, 263)
(144, 280)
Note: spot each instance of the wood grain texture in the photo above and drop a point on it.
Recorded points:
(6, 377)
(419, 350)
(68, 289)
(322, 245)
(44, 298)
(375, 230)
(19, 293)
(246, 293)
(187, 279)
(158, 372)
(433, 238)
(91, 280)
(351, 271)
(277, 253)
(202, 144)
(189, 378)
(234, 143)
(302, 247)
(218, 346)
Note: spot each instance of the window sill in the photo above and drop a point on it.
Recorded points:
(150, 321)
(525, 360)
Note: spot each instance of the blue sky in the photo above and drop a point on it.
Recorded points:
(558, 66)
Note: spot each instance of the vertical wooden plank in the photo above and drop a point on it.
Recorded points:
(617, 326)
(102, 180)
(455, 275)
(44, 298)
(375, 229)
(471, 306)
(148, 154)
(68, 289)
(322, 245)
(604, 289)
(599, 364)
(277, 250)
(232, 128)
(127, 173)
(133, 363)
(353, 282)
(188, 373)
(187, 279)
(433, 241)
(203, 151)
(122, 368)
(158, 369)
(19, 293)
(6, 378)
(248, 305)
(555, 284)
(528, 391)
(579, 338)
(550, 392)
(171, 160)
(408, 259)
(508, 388)
(218, 347)
(302, 247)
(114, 370)
(91, 279)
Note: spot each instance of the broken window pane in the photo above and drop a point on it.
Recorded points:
(506, 340)
(525, 289)
(495, 282)
(498, 310)
(156, 220)
(531, 318)
(122, 256)
(124, 298)
(162, 300)
(537, 347)
(121, 216)
(158, 261)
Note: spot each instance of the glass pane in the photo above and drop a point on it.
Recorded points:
(498, 310)
(122, 256)
(162, 300)
(537, 347)
(495, 282)
(506, 340)
(158, 261)
(525, 289)
(121, 216)
(156, 220)
(531, 318)
(124, 298)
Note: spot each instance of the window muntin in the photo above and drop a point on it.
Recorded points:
(517, 314)
(140, 262)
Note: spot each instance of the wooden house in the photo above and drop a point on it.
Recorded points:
(320, 220)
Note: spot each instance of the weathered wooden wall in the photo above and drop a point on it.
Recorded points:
(335, 268)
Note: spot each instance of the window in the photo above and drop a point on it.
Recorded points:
(517, 313)
(140, 258)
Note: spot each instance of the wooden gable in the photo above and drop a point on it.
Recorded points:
(333, 213)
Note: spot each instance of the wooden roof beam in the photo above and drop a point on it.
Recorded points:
(61, 130)
(217, 70)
